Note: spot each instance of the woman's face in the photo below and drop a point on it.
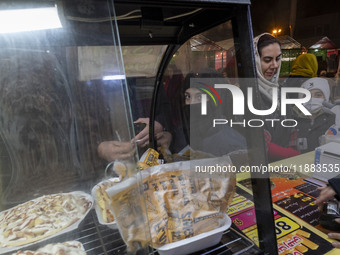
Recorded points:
(193, 96)
(270, 60)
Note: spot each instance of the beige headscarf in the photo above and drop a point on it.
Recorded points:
(265, 86)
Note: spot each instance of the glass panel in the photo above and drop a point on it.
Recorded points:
(142, 61)
(207, 55)
(203, 61)
(64, 115)
(141, 66)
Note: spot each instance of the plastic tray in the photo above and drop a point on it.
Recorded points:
(196, 243)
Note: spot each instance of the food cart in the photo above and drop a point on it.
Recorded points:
(69, 86)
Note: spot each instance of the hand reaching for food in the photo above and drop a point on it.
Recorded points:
(142, 138)
(112, 150)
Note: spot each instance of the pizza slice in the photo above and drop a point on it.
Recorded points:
(42, 217)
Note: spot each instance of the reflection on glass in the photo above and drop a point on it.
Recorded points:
(23, 20)
(62, 92)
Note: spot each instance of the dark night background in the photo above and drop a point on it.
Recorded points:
(310, 20)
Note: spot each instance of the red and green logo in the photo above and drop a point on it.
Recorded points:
(209, 93)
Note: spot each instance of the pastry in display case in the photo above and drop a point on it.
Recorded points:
(42, 218)
(70, 247)
(180, 205)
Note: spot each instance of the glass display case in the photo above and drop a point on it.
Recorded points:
(94, 113)
(77, 87)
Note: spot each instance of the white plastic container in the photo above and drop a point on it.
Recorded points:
(113, 224)
(196, 243)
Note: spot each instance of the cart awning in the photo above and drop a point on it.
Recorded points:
(324, 43)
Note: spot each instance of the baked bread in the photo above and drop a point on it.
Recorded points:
(66, 248)
(42, 217)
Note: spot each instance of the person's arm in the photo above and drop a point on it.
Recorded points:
(142, 138)
(277, 152)
(332, 190)
(164, 139)
(162, 124)
(335, 236)
(282, 144)
(327, 193)
(335, 184)
(112, 150)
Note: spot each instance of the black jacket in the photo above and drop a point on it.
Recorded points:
(335, 184)
(294, 81)
(305, 136)
(309, 131)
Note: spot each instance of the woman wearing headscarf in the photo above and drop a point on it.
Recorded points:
(304, 67)
(198, 130)
(268, 63)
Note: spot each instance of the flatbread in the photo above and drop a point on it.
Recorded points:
(42, 217)
(65, 248)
